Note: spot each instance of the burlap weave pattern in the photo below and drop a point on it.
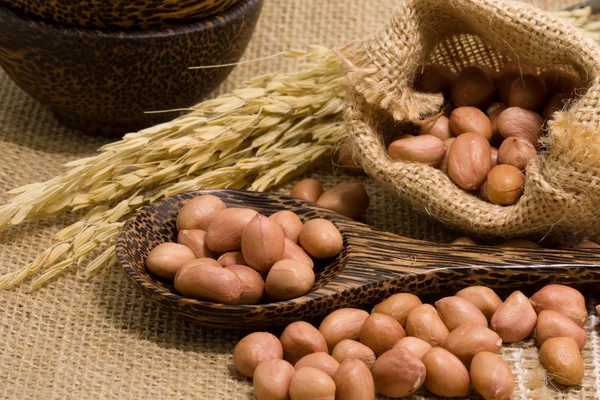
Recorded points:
(562, 187)
(100, 339)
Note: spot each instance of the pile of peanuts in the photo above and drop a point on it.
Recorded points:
(491, 126)
(405, 344)
(349, 199)
(236, 255)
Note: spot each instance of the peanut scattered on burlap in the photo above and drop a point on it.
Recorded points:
(373, 353)
(496, 122)
(349, 199)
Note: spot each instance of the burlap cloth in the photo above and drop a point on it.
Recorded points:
(100, 338)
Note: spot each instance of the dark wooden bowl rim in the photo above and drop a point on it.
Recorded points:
(209, 22)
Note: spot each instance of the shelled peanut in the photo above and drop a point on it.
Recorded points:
(349, 199)
(237, 255)
(494, 129)
(404, 345)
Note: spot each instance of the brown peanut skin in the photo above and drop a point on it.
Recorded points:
(232, 258)
(195, 240)
(470, 119)
(199, 262)
(556, 103)
(483, 298)
(349, 349)
(320, 238)
(528, 92)
(300, 339)
(398, 372)
(165, 259)
(292, 251)
(473, 87)
(321, 360)
(516, 152)
(559, 81)
(456, 311)
(417, 346)
(464, 241)
(504, 185)
(522, 123)
(446, 374)
(561, 298)
(199, 212)
(307, 189)
(311, 384)
(552, 323)
(491, 376)
(380, 333)
(587, 244)
(507, 76)
(272, 378)
(493, 111)
(424, 323)
(253, 284)
(434, 79)
(288, 279)
(289, 222)
(210, 283)
(341, 324)
(515, 320)
(561, 358)
(444, 163)
(253, 349)
(349, 199)
(225, 230)
(491, 72)
(353, 381)
(467, 340)
(469, 161)
(494, 153)
(263, 243)
(438, 126)
(482, 193)
(426, 149)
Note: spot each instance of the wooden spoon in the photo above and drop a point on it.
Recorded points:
(372, 266)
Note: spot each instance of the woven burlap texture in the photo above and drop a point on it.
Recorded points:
(100, 338)
(562, 188)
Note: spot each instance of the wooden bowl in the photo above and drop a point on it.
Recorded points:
(104, 81)
(120, 14)
(372, 265)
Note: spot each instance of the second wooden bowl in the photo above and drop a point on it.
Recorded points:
(104, 81)
(120, 14)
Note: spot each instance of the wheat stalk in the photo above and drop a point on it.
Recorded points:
(255, 137)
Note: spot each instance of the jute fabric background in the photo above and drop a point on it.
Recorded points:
(99, 338)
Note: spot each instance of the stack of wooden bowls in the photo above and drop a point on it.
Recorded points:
(101, 65)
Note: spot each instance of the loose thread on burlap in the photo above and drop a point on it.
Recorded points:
(281, 53)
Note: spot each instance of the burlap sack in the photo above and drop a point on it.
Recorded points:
(562, 189)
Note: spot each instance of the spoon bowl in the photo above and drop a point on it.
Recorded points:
(373, 264)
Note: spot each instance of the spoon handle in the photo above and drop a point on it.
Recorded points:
(385, 263)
